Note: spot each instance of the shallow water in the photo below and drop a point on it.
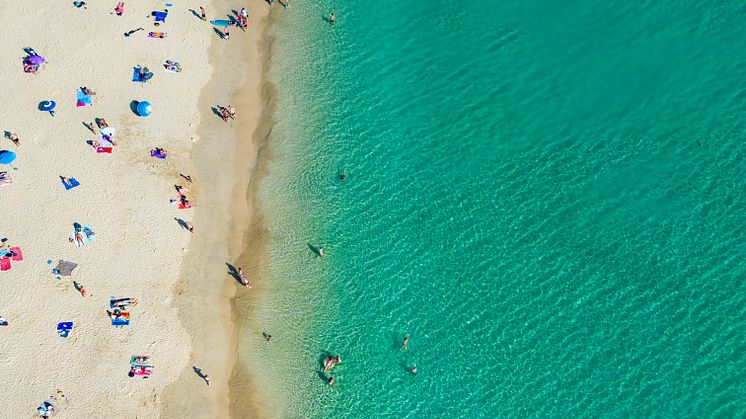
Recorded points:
(548, 198)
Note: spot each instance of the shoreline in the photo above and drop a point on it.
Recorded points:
(227, 224)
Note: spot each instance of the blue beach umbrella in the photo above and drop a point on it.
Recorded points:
(144, 108)
(7, 157)
(47, 105)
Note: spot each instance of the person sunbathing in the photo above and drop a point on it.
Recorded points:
(66, 181)
(30, 68)
(13, 137)
(87, 91)
(114, 314)
(102, 123)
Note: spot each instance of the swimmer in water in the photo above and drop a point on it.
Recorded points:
(328, 364)
(331, 381)
(405, 343)
(343, 177)
(332, 18)
(414, 369)
(321, 252)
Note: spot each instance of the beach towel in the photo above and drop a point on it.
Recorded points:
(73, 183)
(104, 146)
(158, 154)
(64, 268)
(84, 99)
(5, 264)
(187, 206)
(142, 78)
(87, 235)
(160, 16)
(157, 35)
(64, 328)
(139, 360)
(17, 254)
(221, 22)
(123, 320)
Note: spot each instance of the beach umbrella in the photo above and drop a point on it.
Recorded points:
(7, 157)
(144, 108)
(47, 105)
(35, 59)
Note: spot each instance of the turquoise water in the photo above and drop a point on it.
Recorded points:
(548, 197)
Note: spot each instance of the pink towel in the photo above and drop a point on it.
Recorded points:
(4, 264)
(17, 252)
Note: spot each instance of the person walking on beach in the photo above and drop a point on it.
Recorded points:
(80, 288)
(202, 13)
(202, 375)
(226, 34)
(332, 18)
(119, 9)
(190, 227)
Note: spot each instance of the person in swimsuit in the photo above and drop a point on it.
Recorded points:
(14, 137)
(331, 381)
(332, 18)
(405, 343)
(202, 13)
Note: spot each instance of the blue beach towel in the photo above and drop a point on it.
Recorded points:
(122, 321)
(160, 16)
(84, 99)
(73, 183)
(64, 328)
(136, 77)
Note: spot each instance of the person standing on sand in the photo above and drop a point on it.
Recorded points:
(226, 34)
(202, 13)
(190, 227)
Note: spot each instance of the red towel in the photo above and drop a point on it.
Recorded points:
(104, 150)
(4, 264)
(17, 252)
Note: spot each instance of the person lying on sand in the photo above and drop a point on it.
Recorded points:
(227, 112)
(12, 136)
(87, 91)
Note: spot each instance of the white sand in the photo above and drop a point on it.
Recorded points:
(124, 197)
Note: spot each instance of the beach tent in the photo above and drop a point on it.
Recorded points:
(64, 268)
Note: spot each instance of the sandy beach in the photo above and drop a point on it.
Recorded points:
(142, 250)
